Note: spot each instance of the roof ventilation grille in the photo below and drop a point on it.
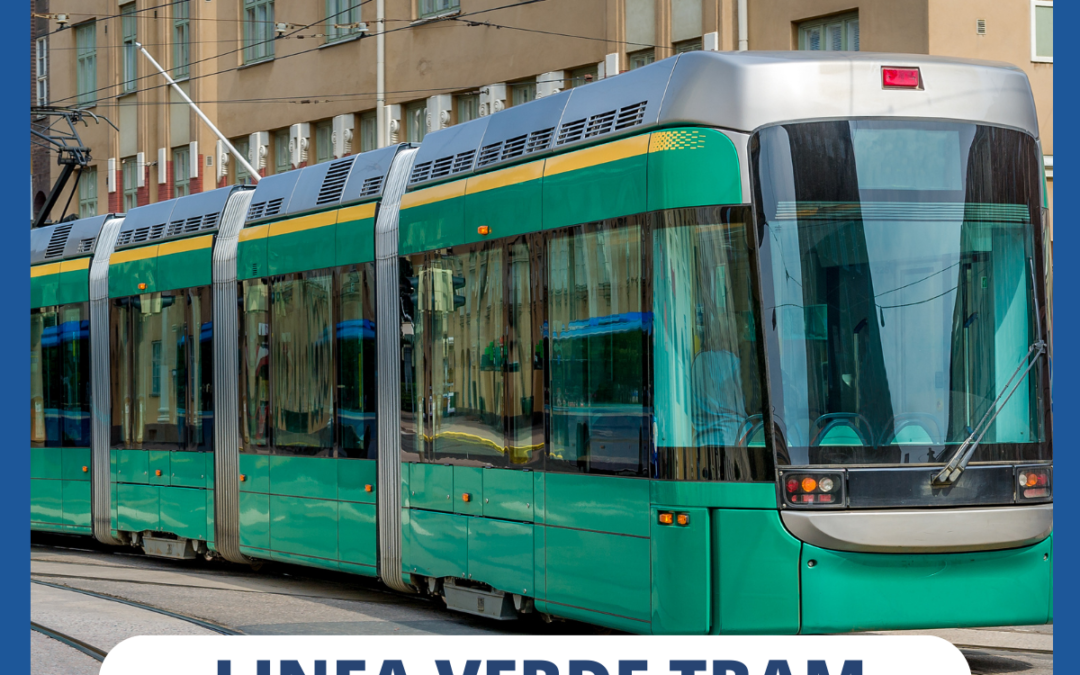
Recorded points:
(489, 154)
(630, 116)
(192, 224)
(442, 167)
(600, 124)
(256, 211)
(124, 239)
(57, 241)
(514, 147)
(334, 182)
(141, 235)
(540, 140)
(273, 207)
(209, 221)
(420, 172)
(371, 186)
(570, 132)
(86, 245)
(463, 161)
(157, 230)
(175, 227)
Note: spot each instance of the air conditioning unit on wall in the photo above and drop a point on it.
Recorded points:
(343, 135)
(221, 156)
(492, 99)
(550, 83)
(299, 139)
(258, 149)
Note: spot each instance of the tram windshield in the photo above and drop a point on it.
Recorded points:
(901, 290)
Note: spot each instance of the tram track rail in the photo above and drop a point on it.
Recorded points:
(75, 643)
(202, 623)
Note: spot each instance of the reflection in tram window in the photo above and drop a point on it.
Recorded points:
(60, 376)
(468, 354)
(356, 361)
(413, 299)
(596, 324)
(160, 412)
(255, 365)
(300, 363)
(707, 384)
(201, 337)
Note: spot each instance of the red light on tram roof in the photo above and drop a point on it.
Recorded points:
(900, 78)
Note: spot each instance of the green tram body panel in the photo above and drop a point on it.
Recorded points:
(61, 283)
(586, 547)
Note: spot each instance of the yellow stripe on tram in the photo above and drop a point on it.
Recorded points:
(185, 245)
(601, 154)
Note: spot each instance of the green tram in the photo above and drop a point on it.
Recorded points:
(732, 343)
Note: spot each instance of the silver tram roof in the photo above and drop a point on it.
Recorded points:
(67, 240)
(740, 91)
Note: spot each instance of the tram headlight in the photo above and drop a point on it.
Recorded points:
(813, 489)
(1033, 483)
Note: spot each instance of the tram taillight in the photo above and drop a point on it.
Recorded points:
(816, 490)
(1033, 483)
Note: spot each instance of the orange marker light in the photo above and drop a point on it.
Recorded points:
(157, 472)
(142, 287)
(367, 488)
(683, 519)
(243, 478)
(465, 497)
(666, 519)
(808, 484)
(483, 230)
(85, 469)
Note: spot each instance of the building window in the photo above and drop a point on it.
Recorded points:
(580, 76)
(1042, 31)
(86, 63)
(324, 141)
(258, 30)
(282, 160)
(432, 8)
(641, 58)
(342, 19)
(522, 92)
(181, 162)
(242, 176)
(416, 121)
(131, 183)
(88, 192)
(468, 107)
(42, 62)
(832, 34)
(181, 39)
(687, 46)
(129, 64)
(369, 131)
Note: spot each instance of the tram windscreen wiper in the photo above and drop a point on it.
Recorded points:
(963, 455)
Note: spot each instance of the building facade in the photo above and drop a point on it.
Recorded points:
(293, 82)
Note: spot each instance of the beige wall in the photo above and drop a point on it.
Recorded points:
(884, 25)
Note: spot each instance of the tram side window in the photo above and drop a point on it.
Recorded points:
(596, 328)
(162, 371)
(60, 376)
(300, 363)
(707, 376)
(355, 290)
(413, 299)
(255, 365)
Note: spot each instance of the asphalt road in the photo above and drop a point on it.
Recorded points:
(290, 600)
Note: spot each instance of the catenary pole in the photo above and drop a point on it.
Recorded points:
(240, 158)
(381, 123)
